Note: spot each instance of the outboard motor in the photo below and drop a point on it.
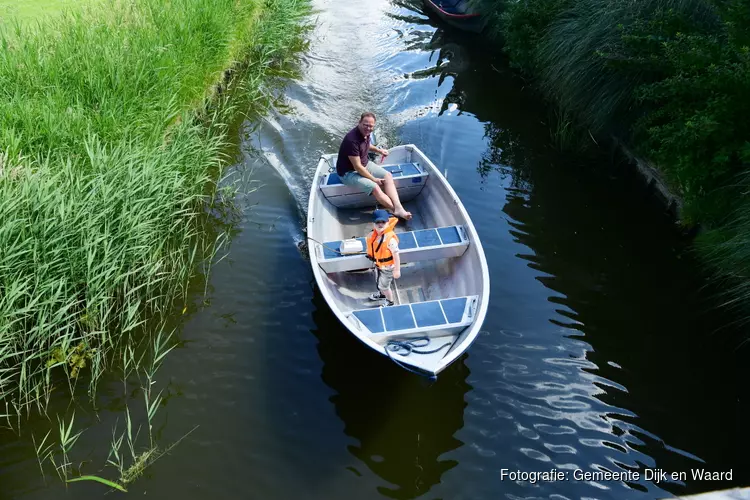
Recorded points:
(373, 142)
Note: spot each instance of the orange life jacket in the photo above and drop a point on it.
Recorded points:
(377, 244)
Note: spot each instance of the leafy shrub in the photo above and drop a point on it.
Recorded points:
(694, 121)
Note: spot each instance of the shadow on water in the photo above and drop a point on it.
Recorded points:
(403, 423)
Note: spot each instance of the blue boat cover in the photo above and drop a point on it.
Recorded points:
(454, 309)
(406, 240)
(395, 170)
(416, 315)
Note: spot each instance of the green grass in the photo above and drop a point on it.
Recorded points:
(30, 10)
(113, 144)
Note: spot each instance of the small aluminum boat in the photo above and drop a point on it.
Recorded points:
(442, 296)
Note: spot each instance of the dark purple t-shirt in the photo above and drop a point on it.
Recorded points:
(354, 144)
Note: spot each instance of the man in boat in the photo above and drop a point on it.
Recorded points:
(355, 169)
(382, 248)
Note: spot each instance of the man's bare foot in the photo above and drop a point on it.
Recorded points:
(403, 214)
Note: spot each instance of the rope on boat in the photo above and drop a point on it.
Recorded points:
(410, 346)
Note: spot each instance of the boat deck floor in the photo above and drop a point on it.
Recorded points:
(357, 222)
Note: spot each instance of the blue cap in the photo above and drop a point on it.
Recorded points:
(380, 215)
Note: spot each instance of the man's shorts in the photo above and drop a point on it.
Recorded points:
(385, 277)
(353, 178)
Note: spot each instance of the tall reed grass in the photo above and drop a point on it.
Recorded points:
(113, 142)
(582, 60)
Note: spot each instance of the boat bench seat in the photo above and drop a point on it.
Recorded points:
(414, 246)
(409, 179)
(436, 316)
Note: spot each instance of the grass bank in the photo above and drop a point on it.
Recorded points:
(669, 78)
(112, 132)
(26, 11)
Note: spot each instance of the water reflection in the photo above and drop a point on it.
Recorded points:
(403, 424)
(622, 336)
(646, 343)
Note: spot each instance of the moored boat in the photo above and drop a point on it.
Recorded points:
(457, 13)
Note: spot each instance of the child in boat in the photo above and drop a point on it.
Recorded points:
(382, 248)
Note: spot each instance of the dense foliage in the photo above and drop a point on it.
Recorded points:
(669, 77)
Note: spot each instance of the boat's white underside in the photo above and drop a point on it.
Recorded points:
(444, 284)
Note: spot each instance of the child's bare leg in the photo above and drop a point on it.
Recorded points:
(388, 294)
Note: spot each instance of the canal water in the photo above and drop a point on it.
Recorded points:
(600, 350)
